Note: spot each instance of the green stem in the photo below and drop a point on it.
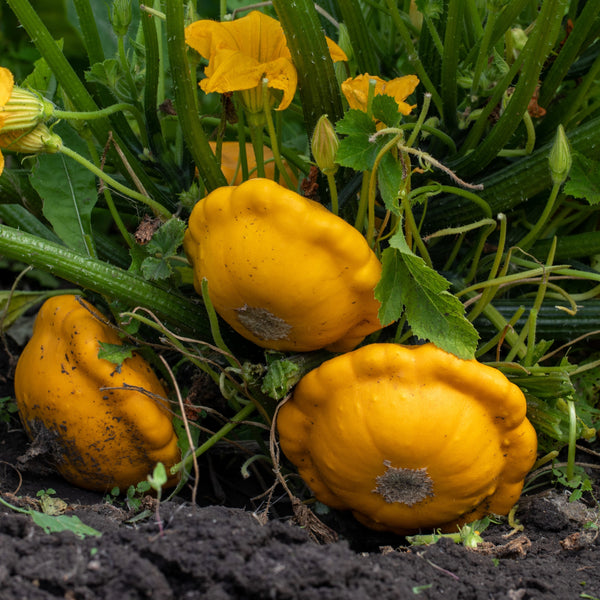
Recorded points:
(535, 309)
(583, 89)
(478, 251)
(359, 223)
(572, 440)
(257, 137)
(517, 277)
(126, 68)
(534, 55)
(485, 348)
(89, 31)
(568, 53)
(245, 412)
(482, 56)
(419, 124)
(364, 49)
(185, 99)
(529, 176)
(413, 55)
(105, 279)
(319, 90)
(273, 137)
(214, 324)
(528, 241)
(110, 202)
(103, 113)
(23, 511)
(157, 208)
(153, 74)
(411, 226)
(241, 135)
(488, 294)
(97, 114)
(333, 193)
(450, 64)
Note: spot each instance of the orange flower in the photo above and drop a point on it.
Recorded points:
(241, 53)
(356, 90)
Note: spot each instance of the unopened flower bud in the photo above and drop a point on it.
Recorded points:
(560, 157)
(324, 146)
(24, 110)
(38, 140)
(120, 17)
(519, 39)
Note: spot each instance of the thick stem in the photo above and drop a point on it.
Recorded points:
(319, 90)
(185, 99)
(363, 46)
(105, 279)
(534, 55)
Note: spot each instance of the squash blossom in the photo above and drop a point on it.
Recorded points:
(356, 90)
(242, 53)
(20, 112)
(34, 141)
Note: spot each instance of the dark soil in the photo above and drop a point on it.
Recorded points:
(224, 551)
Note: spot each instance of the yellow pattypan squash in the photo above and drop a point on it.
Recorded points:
(230, 162)
(103, 425)
(409, 438)
(282, 270)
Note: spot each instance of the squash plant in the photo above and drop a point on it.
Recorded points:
(454, 144)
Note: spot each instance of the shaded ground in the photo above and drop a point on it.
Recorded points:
(223, 552)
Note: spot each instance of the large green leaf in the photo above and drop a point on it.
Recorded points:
(433, 313)
(68, 192)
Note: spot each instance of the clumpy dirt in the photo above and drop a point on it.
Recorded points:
(220, 549)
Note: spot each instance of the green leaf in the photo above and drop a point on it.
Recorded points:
(107, 73)
(39, 79)
(355, 149)
(69, 193)
(432, 312)
(355, 122)
(389, 180)
(155, 269)
(51, 524)
(152, 259)
(14, 304)
(584, 179)
(387, 290)
(430, 8)
(167, 239)
(281, 376)
(115, 353)
(158, 477)
(385, 109)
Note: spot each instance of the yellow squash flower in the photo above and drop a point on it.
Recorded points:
(29, 141)
(20, 113)
(356, 90)
(241, 53)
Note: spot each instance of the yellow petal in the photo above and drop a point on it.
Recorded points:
(6, 85)
(282, 75)
(356, 90)
(231, 71)
(256, 35)
(337, 54)
(400, 89)
(1, 163)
